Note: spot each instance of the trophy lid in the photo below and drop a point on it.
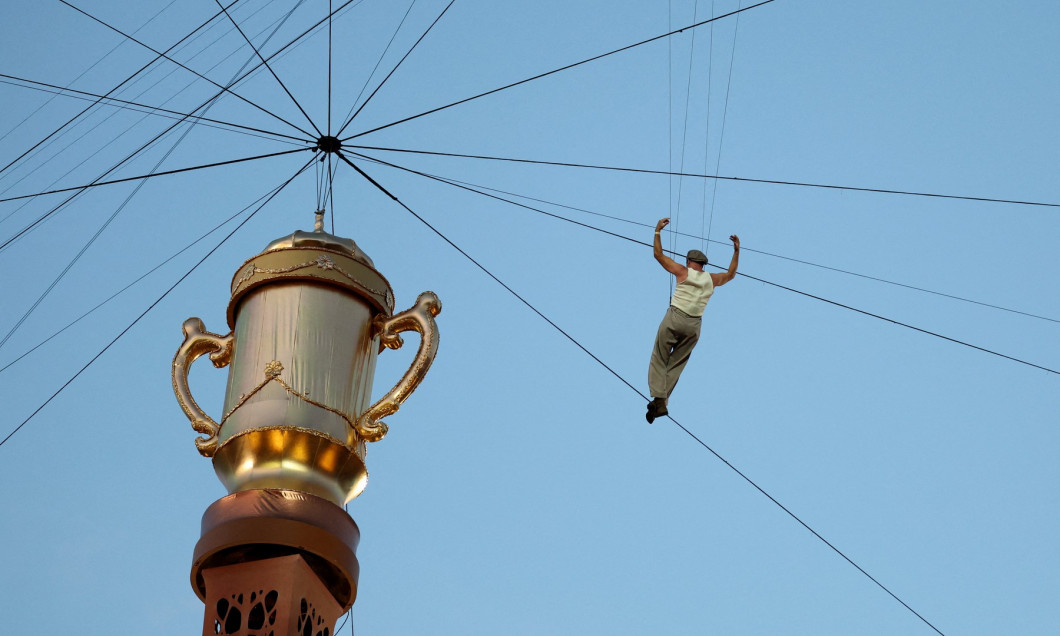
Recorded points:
(313, 257)
(320, 239)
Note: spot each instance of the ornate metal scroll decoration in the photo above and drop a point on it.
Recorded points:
(272, 374)
(197, 342)
(419, 318)
(323, 262)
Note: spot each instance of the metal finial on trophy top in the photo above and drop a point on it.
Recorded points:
(318, 224)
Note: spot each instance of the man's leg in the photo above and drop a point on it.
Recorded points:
(658, 368)
(687, 332)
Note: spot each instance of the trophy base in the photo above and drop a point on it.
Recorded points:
(291, 459)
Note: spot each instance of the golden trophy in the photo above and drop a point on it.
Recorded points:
(308, 317)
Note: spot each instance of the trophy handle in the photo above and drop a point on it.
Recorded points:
(198, 341)
(420, 318)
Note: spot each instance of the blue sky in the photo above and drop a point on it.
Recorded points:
(520, 490)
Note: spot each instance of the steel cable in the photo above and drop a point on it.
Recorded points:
(643, 397)
(761, 280)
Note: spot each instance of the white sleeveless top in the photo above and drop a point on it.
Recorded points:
(691, 295)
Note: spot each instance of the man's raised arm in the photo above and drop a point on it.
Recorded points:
(680, 271)
(721, 279)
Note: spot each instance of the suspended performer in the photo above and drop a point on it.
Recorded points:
(679, 330)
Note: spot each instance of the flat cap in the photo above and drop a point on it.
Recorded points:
(697, 257)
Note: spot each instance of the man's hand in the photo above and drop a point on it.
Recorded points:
(661, 224)
(735, 241)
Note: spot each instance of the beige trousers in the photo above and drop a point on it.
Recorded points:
(678, 334)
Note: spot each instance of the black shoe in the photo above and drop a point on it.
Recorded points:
(656, 408)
